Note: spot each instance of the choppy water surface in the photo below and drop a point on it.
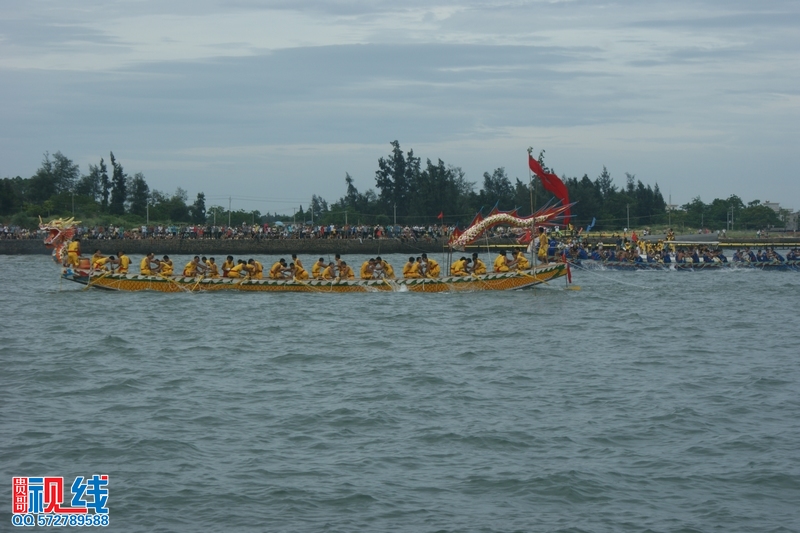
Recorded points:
(663, 401)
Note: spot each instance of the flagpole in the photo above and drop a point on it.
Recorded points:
(533, 220)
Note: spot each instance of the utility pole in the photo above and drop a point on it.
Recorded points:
(628, 207)
(229, 211)
(395, 214)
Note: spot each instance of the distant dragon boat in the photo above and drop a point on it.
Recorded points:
(60, 233)
(686, 267)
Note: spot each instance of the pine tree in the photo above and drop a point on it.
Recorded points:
(118, 188)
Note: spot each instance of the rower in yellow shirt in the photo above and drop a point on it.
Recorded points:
(257, 269)
(277, 270)
(123, 262)
(227, 265)
(521, 262)
(459, 267)
(238, 270)
(501, 263)
(478, 266)
(96, 256)
(432, 268)
(317, 268)
(167, 267)
(213, 269)
(298, 272)
(329, 272)
(105, 263)
(146, 265)
(411, 269)
(367, 268)
(194, 268)
(346, 272)
(388, 271)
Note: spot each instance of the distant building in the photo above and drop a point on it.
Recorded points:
(775, 206)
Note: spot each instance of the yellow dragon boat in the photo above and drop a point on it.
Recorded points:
(61, 232)
(499, 281)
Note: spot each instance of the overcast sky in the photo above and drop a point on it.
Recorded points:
(273, 101)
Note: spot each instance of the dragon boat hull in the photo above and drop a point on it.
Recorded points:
(487, 282)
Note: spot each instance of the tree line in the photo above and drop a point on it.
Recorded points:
(406, 192)
(58, 189)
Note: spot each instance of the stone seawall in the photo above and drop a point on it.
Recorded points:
(237, 248)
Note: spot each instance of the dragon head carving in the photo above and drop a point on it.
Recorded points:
(59, 233)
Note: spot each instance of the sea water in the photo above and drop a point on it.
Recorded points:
(645, 401)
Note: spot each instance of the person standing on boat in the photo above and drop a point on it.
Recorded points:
(317, 268)
(73, 253)
(501, 263)
(123, 262)
(411, 269)
(146, 266)
(542, 253)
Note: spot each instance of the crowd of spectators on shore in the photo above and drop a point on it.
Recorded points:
(17, 232)
(430, 233)
(267, 232)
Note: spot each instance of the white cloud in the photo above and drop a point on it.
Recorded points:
(290, 95)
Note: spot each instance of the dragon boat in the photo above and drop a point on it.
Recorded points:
(793, 265)
(60, 233)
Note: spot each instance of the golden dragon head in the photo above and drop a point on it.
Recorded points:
(59, 232)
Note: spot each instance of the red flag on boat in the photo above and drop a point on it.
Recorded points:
(441, 215)
(551, 183)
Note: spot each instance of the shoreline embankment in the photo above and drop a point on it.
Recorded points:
(239, 247)
(235, 247)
